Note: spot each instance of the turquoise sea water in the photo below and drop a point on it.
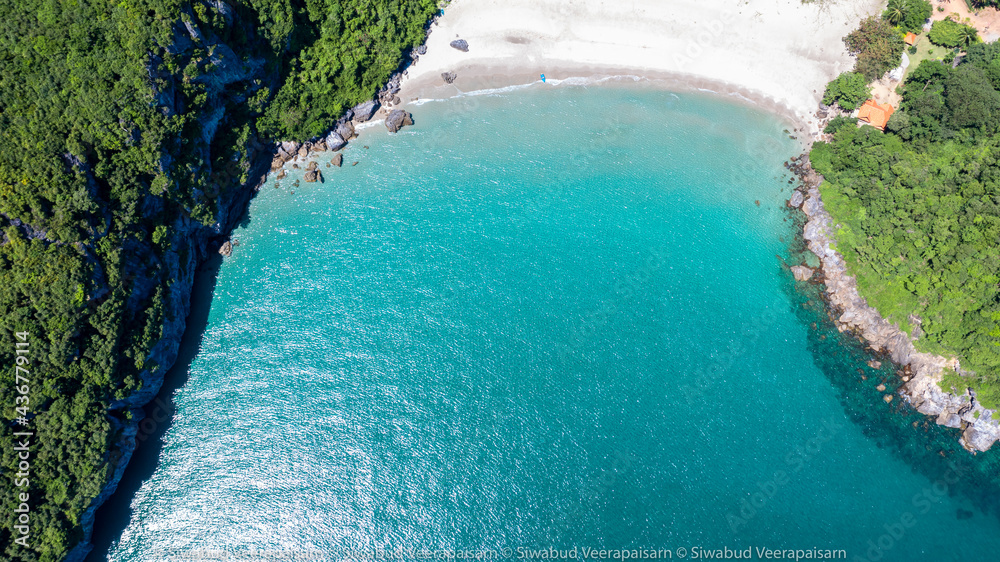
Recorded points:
(554, 317)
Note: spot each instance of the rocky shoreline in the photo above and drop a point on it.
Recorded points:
(194, 243)
(920, 372)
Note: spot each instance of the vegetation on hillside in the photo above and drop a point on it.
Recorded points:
(918, 211)
(121, 123)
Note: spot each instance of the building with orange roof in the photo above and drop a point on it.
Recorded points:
(874, 114)
(910, 39)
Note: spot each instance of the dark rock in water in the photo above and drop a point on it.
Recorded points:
(312, 166)
(364, 111)
(354, 164)
(334, 141)
(227, 249)
(295, 166)
(346, 130)
(397, 119)
(963, 514)
(449, 77)
(422, 50)
(281, 175)
(338, 160)
(461, 45)
(311, 176)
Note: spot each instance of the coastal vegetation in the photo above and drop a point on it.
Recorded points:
(849, 90)
(877, 46)
(908, 15)
(126, 127)
(917, 210)
(949, 33)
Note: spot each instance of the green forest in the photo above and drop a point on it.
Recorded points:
(917, 210)
(124, 126)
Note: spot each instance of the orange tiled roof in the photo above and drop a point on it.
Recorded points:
(874, 114)
(910, 38)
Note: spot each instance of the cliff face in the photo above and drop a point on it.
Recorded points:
(923, 375)
(191, 243)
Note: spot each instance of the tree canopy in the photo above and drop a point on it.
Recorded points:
(849, 90)
(125, 125)
(918, 213)
(877, 46)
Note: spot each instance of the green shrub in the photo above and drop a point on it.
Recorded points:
(849, 90)
(948, 33)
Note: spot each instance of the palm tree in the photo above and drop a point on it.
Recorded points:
(895, 12)
(968, 35)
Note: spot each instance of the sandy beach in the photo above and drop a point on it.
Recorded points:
(778, 53)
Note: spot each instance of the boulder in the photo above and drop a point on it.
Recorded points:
(461, 45)
(949, 419)
(801, 272)
(313, 166)
(303, 151)
(334, 141)
(396, 101)
(422, 49)
(875, 364)
(397, 119)
(338, 160)
(319, 146)
(449, 77)
(311, 176)
(364, 111)
(288, 149)
(346, 130)
(887, 398)
(281, 175)
(796, 199)
(277, 163)
(227, 249)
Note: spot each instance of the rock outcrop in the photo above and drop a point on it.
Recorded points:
(365, 111)
(397, 119)
(449, 77)
(802, 273)
(925, 370)
(334, 141)
(337, 160)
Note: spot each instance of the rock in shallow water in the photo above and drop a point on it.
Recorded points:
(796, 200)
(801, 272)
(397, 119)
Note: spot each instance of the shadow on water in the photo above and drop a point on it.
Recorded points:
(929, 449)
(114, 516)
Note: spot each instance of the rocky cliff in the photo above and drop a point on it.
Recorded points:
(922, 372)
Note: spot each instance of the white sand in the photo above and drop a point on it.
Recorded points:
(778, 52)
